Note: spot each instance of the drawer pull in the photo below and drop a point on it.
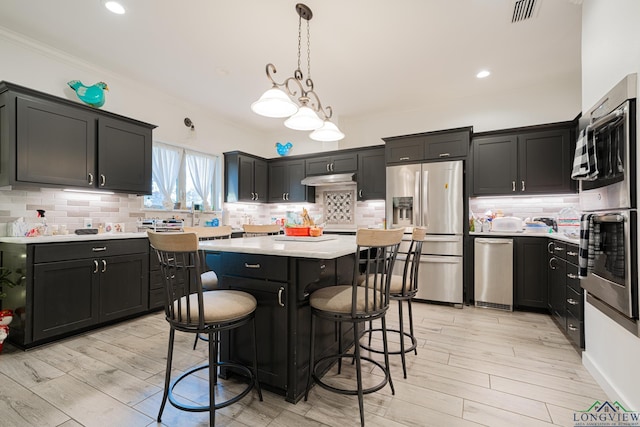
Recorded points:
(280, 293)
(572, 253)
(104, 266)
(323, 266)
(101, 249)
(95, 266)
(572, 276)
(559, 249)
(572, 301)
(444, 155)
(404, 158)
(571, 327)
(247, 265)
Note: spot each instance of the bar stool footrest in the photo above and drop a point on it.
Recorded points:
(351, 392)
(234, 399)
(412, 347)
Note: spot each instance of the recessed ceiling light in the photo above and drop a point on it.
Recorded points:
(115, 7)
(482, 74)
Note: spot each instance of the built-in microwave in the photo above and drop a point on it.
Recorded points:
(610, 133)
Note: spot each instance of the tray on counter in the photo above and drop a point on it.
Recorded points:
(304, 238)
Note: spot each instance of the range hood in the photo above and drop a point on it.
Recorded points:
(335, 179)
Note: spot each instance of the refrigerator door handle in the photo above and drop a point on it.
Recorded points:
(417, 203)
(440, 259)
(425, 199)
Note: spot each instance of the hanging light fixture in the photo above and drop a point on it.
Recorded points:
(296, 98)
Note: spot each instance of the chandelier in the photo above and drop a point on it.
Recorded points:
(296, 98)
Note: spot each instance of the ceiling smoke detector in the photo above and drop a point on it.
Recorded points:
(524, 9)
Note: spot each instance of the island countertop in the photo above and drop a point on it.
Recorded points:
(335, 247)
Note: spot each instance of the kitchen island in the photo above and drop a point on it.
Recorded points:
(281, 274)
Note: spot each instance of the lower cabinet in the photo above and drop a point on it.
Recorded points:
(565, 294)
(281, 286)
(70, 287)
(531, 272)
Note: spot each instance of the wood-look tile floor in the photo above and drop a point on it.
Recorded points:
(474, 367)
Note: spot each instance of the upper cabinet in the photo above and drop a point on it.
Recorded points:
(440, 145)
(245, 178)
(372, 179)
(525, 162)
(337, 163)
(285, 177)
(47, 141)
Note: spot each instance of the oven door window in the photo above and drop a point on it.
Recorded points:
(610, 261)
(610, 141)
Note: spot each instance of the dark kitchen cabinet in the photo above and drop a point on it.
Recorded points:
(245, 178)
(524, 162)
(285, 178)
(73, 286)
(271, 331)
(53, 142)
(565, 294)
(124, 157)
(439, 145)
(337, 163)
(531, 272)
(372, 178)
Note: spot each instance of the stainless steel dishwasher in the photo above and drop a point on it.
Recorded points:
(493, 273)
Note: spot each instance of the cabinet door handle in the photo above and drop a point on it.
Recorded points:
(551, 264)
(287, 196)
(572, 301)
(247, 265)
(404, 158)
(444, 154)
(328, 170)
(257, 196)
(572, 276)
(95, 266)
(571, 327)
(522, 186)
(104, 266)
(550, 247)
(280, 293)
(331, 167)
(283, 196)
(90, 179)
(360, 193)
(323, 266)
(100, 249)
(513, 186)
(103, 180)
(572, 253)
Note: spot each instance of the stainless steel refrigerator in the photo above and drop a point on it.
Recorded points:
(431, 195)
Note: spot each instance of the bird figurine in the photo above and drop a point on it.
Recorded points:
(91, 95)
(283, 150)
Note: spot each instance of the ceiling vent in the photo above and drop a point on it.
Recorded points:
(524, 9)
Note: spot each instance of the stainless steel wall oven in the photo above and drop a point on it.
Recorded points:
(609, 201)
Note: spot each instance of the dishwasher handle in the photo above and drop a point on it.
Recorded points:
(494, 241)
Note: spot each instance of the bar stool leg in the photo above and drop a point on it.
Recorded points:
(402, 355)
(413, 336)
(255, 357)
(213, 368)
(386, 352)
(167, 375)
(356, 337)
(311, 353)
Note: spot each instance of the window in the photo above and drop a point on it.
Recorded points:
(182, 178)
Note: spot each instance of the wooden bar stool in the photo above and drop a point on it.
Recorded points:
(361, 301)
(189, 309)
(403, 288)
(253, 230)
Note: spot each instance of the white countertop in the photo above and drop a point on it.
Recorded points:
(267, 245)
(72, 238)
(556, 236)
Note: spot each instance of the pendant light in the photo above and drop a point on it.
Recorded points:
(296, 98)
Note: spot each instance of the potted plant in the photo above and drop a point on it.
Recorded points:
(6, 316)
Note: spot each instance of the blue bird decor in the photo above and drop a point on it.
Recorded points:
(91, 95)
(283, 150)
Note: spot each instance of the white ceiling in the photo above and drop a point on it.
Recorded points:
(367, 56)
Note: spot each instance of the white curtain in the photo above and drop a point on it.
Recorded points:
(202, 169)
(166, 167)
